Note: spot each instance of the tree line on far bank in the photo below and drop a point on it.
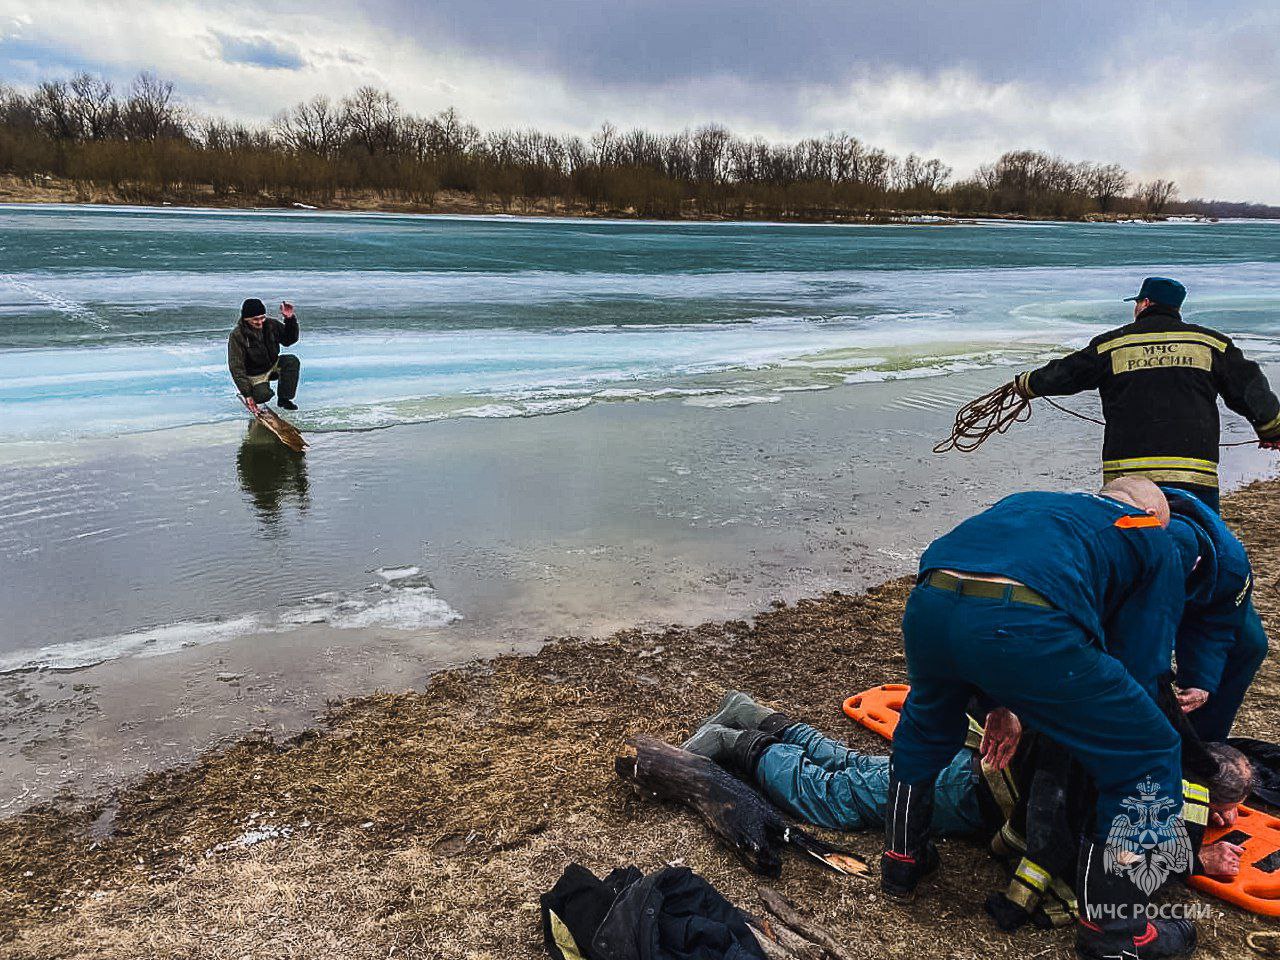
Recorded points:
(143, 144)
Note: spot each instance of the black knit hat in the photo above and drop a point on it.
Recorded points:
(253, 307)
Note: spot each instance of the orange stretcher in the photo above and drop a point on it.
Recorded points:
(1256, 888)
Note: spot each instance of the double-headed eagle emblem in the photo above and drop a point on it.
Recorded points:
(1148, 842)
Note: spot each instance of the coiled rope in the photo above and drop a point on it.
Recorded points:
(997, 411)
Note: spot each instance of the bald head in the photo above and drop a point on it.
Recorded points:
(1141, 493)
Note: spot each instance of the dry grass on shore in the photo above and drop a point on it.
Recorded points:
(425, 824)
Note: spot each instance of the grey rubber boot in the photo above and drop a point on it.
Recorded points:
(738, 749)
(739, 712)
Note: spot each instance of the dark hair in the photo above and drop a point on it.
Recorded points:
(1234, 780)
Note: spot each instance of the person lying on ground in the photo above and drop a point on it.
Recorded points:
(824, 782)
(254, 357)
(1062, 607)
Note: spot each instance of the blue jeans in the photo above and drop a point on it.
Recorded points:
(1040, 664)
(823, 782)
(1213, 720)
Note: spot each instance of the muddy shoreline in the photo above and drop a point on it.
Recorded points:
(425, 823)
(54, 190)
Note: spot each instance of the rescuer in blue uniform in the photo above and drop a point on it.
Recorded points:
(1220, 643)
(1160, 379)
(1064, 609)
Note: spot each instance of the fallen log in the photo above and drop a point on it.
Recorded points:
(752, 827)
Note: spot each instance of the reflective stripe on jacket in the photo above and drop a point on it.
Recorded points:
(1159, 379)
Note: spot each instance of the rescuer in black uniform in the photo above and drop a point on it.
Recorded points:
(1160, 378)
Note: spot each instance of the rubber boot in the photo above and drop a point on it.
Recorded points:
(909, 853)
(1113, 919)
(736, 749)
(738, 711)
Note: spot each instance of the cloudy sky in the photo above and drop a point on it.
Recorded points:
(1189, 90)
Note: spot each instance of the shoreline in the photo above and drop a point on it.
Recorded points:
(427, 822)
(15, 191)
(614, 516)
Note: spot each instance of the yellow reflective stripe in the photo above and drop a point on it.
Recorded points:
(1013, 839)
(1064, 894)
(1033, 874)
(1165, 476)
(1162, 356)
(1188, 336)
(1026, 899)
(563, 938)
(973, 740)
(1194, 791)
(1195, 813)
(1023, 381)
(1161, 463)
(1003, 791)
(1271, 425)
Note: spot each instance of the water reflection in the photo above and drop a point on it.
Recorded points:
(271, 474)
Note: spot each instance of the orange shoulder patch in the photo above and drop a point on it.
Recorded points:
(1133, 523)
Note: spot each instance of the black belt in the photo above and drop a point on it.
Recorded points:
(991, 589)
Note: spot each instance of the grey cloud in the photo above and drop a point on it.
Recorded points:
(810, 42)
(257, 51)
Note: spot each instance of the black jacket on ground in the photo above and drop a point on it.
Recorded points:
(672, 914)
(251, 353)
(1160, 378)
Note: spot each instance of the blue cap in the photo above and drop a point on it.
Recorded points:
(1161, 290)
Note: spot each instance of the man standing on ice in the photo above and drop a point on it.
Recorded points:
(254, 357)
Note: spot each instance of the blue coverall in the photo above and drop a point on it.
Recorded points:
(824, 782)
(1083, 671)
(1221, 641)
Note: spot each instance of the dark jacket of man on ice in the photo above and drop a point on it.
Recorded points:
(254, 357)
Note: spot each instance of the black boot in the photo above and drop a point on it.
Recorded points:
(1113, 917)
(284, 404)
(909, 854)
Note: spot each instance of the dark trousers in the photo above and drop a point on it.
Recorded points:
(1040, 664)
(285, 372)
(1213, 720)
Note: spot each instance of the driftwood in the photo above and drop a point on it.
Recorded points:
(782, 943)
(285, 431)
(785, 912)
(737, 814)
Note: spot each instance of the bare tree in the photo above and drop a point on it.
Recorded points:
(53, 110)
(314, 126)
(94, 106)
(150, 112)
(373, 118)
(1155, 194)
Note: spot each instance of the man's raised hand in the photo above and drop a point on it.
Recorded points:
(286, 309)
(1000, 736)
